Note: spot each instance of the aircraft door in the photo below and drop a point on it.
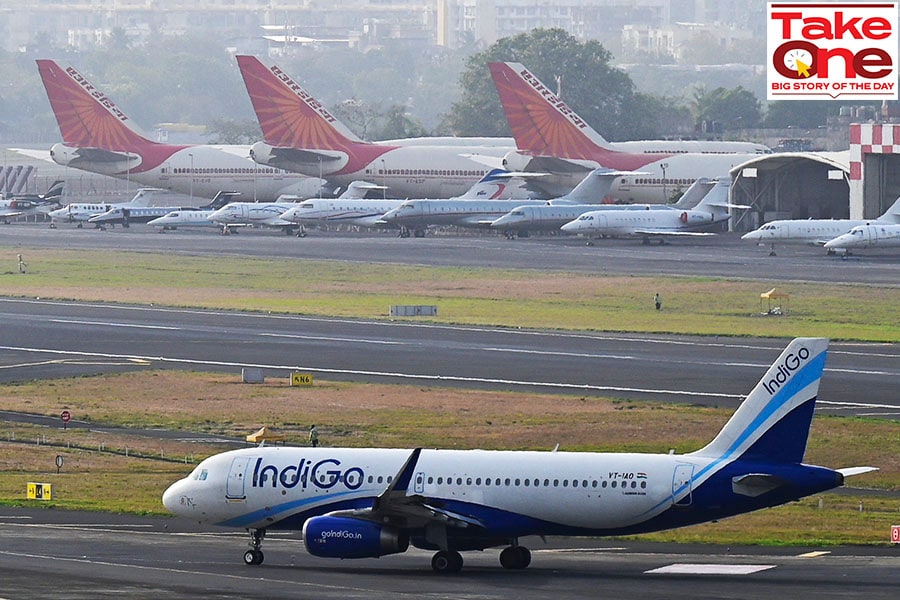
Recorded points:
(681, 485)
(234, 486)
(419, 483)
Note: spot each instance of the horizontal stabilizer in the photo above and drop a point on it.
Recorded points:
(851, 471)
(756, 484)
(100, 155)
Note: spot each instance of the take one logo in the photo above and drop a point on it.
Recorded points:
(841, 50)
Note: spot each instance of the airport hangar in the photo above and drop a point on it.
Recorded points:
(859, 183)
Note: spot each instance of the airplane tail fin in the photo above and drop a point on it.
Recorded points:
(772, 424)
(288, 115)
(695, 193)
(87, 118)
(54, 192)
(541, 123)
(595, 186)
(892, 214)
(500, 184)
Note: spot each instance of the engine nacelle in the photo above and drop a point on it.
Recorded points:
(513, 161)
(343, 537)
(62, 154)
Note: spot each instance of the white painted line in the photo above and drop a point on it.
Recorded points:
(709, 569)
(326, 338)
(111, 324)
(815, 554)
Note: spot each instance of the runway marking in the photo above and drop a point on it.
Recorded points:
(111, 324)
(326, 338)
(815, 554)
(709, 569)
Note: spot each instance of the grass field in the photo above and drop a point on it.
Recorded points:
(128, 473)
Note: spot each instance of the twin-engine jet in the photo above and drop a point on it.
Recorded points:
(814, 232)
(371, 502)
(873, 235)
(657, 220)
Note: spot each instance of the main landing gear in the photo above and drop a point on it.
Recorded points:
(254, 556)
(450, 561)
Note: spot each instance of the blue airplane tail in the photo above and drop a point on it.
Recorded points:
(772, 424)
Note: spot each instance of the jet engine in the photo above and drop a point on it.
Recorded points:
(513, 161)
(344, 537)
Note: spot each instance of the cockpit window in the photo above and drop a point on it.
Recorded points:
(199, 474)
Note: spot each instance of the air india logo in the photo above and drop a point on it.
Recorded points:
(841, 50)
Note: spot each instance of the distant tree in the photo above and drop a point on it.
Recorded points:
(601, 94)
(397, 124)
(233, 131)
(731, 109)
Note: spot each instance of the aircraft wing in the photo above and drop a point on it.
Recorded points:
(5, 214)
(395, 506)
(651, 231)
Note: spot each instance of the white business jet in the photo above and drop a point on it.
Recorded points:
(813, 232)
(370, 502)
(873, 235)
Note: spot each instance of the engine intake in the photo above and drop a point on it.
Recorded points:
(343, 537)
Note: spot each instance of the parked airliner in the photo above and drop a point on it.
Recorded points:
(301, 135)
(370, 502)
(99, 137)
(552, 138)
(873, 235)
(815, 232)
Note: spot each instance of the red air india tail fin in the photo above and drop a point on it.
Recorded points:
(87, 118)
(288, 115)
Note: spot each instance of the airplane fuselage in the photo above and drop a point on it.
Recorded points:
(361, 212)
(512, 493)
(406, 171)
(636, 222)
(873, 235)
(201, 171)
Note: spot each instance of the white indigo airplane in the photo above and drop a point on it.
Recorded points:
(370, 502)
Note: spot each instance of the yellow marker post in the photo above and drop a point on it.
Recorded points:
(301, 379)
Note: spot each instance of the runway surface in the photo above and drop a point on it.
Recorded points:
(57, 338)
(72, 555)
(722, 255)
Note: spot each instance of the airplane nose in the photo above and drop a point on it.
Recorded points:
(173, 498)
(750, 236)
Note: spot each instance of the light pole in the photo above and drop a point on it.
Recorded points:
(664, 166)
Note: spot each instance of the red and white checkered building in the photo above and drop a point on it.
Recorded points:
(874, 168)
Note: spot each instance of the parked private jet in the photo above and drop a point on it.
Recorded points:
(370, 502)
(80, 212)
(656, 220)
(873, 235)
(814, 232)
(20, 205)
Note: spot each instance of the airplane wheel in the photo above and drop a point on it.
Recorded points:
(515, 557)
(447, 562)
(253, 557)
